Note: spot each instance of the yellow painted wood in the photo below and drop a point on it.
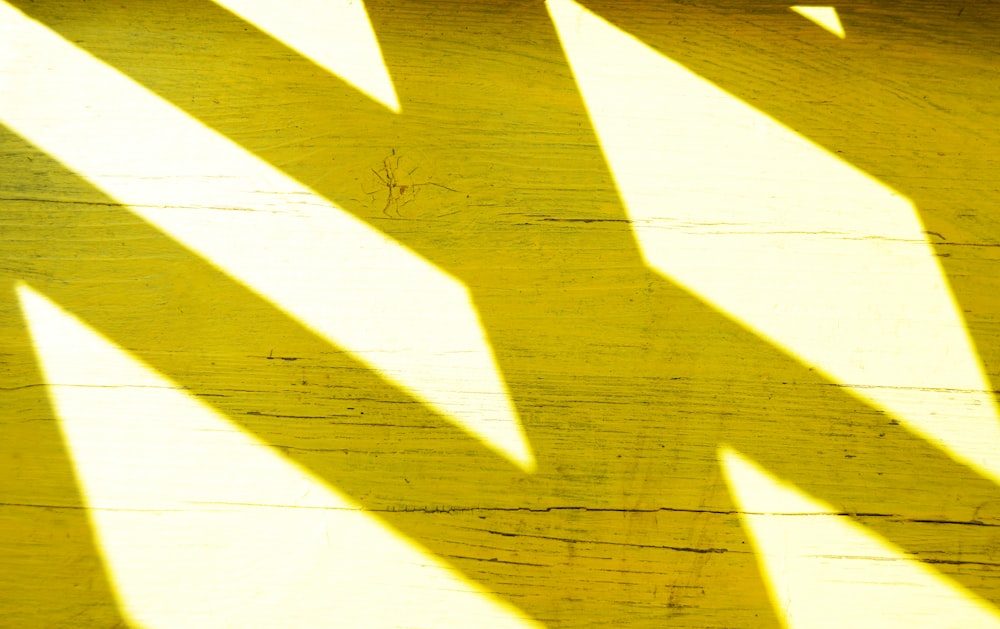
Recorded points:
(626, 383)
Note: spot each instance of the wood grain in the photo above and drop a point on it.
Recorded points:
(627, 384)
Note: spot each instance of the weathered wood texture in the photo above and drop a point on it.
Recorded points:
(627, 384)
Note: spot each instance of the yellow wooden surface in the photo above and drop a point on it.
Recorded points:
(626, 383)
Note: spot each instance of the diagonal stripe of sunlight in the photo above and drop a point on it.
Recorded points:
(203, 525)
(812, 557)
(798, 245)
(350, 283)
(336, 34)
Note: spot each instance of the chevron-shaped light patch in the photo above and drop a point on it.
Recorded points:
(794, 243)
(395, 311)
(336, 34)
(203, 525)
(824, 17)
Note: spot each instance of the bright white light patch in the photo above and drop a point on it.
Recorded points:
(825, 570)
(825, 17)
(336, 34)
(798, 245)
(345, 280)
(202, 525)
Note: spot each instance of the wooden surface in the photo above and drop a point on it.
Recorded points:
(627, 384)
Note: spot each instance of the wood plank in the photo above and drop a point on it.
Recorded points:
(626, 383)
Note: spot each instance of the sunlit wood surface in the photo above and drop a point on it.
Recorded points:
(626, 383)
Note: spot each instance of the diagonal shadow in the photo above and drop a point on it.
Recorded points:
(365, 437)
(625, 481)
(339, 419)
